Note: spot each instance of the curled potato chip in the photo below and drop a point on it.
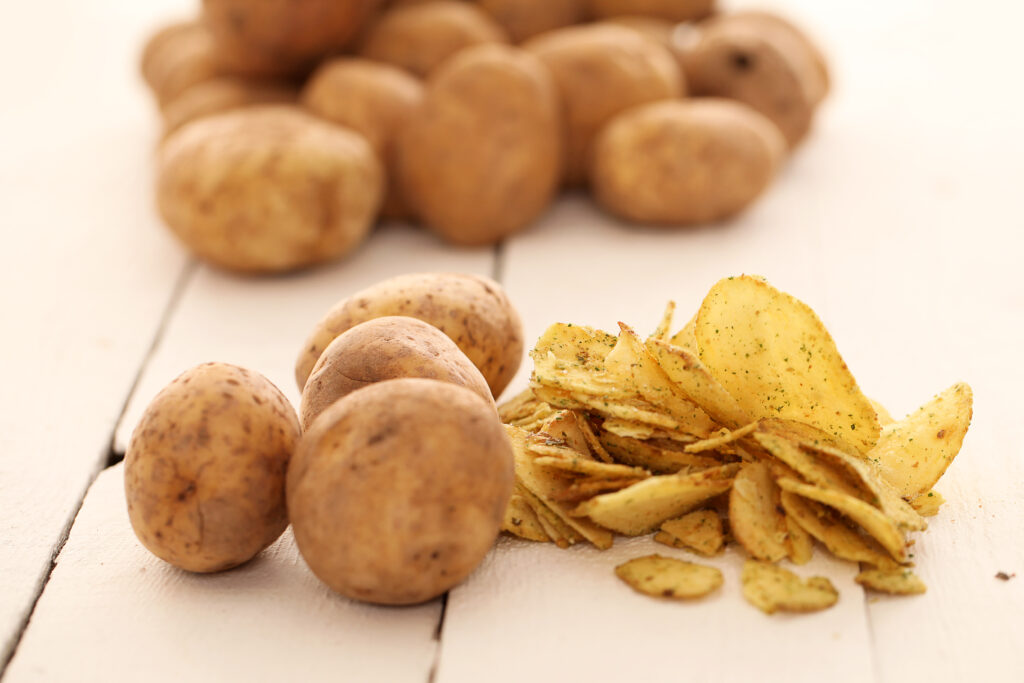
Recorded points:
(927, 504)
(799, 543)
(519, 407)
(686, 338)
(716, 442)
(591, 468)
(564, 426)
(685, 370)
(699, 531)
(572, 358)
(664, 330)
(582, 489)
(667, 577)
(754, 515)
(773, 355)
(914, 453)
(893, 581)
(771, 588)
(642, 453)
(521, 520)
(841, 540)
(641, 508)
(593, 442)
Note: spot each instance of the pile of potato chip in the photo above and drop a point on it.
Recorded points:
(744, 426)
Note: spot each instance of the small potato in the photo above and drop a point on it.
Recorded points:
(762, 61)
(687, 161)
(176, 58)
(282, 37)
(601, 70)
(386, 348)
(473, 311)
(526, 18)
(374, 100)
(268, 188)
(482, 158)
(398, 490)
(204, 474)
(670, 10)
(224, 93)
(419, 37)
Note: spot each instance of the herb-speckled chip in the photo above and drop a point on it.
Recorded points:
(667, 577)
(771, 589)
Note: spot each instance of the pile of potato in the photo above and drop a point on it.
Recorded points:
(292, 127)
(397, 477)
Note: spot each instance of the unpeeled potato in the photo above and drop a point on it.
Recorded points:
(670, 10)
(221, 94)
(526, 18)
(176, 58)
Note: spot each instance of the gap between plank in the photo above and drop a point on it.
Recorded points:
(871, 639)
(108, 459)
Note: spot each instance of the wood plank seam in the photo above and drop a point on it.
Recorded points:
(876, 668)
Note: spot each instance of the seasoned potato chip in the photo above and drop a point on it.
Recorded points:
(638, 430)
(799, 543)
(928, 504)
(555, 398)
(521, 520)
(893, 581)
(664, 330)
(686, 338)
(715, 442)
(754, 515)
(686, 371)
(798, 432)
(635, 409)
(591, 438)
(558, 531)
(884, 416)
(582, 489)
(811, 468)
(667, 577)
(770, 589)
(914, 452)
(772, 353)
(842, 541)
(644, 454)
(641, 508)
(591, 468)
(699, 531)
(564, 426)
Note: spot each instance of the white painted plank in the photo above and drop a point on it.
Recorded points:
(85, 271)
(262, 323)
(113, 612)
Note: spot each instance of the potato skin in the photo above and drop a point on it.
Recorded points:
(482, 158)
(224, 93)
(372, 99)
(176, 58)
(685, 161)
(398, 490)
(670, 10)
(524, 19)
(419, 37)
(386, 348)
(601, 70)
(473, 311)
(205, 468)
(268, 188)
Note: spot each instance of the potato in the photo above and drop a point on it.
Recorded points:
(601, 70)
(658, 30)
(762, 61)
(223, 93)
(670, 10)
(419, 37)
(372, 99)
(682, 162)
(176, 58)
(398, 490)
(204, 474)
(482, 158)
(268, 188)
(385, 348)
(473, 311)
(526, 18)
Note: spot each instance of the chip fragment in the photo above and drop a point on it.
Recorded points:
(771, 588)
(667, 577)
(893, 581)
(699, 531)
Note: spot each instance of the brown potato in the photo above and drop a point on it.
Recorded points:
(176, 58)
(682, 162)
(374, 100)
(762, 61)
(601, 70)
(670, 10)
(473, 311)
(526, 18)
(281, 37)
(482, 158)
(419, 37)
(204, 474)
(221, 94)
(386, 348)
(268, 188)
(398, 490)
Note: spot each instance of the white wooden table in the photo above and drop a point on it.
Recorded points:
(900, 221)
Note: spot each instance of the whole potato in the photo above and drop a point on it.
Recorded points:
(482, 158)
(224, 93)
(524, 19)
(268, 188)
(398, 490)
(204, 473)
(374, 100)
(601, 70)
(386, 348)
(687, 161)
(763, 62)
(176, 58)
(670, 10)
(472, 310)
(419, 37)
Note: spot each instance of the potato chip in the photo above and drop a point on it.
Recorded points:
(641, 508)
(591, 468)
(639, 430)
(716, 442)
(640, 453)
(871, 519)
(521, 520)
(572, 358)
(635, 409)
(754, 515)
(798, 432)
(583, 489)
(555, 398)
(811, 468)
(564, 426)
(520, 406)
(664, 330)
(913, 453)
(799, 543)
(770, 589)
(884, 416)
(686, 338)
(842, 541)
(687, 373)
(667, 577)
(558, 531)
(592, 441)
(699, 531)
(928, 504)
(893, 581)
(774, 356)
